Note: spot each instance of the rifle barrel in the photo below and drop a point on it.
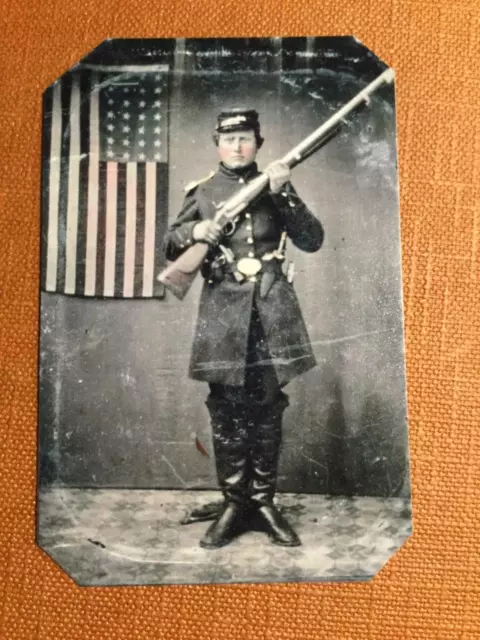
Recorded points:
(295, 154)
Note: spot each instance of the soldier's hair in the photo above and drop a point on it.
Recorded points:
(258, 138)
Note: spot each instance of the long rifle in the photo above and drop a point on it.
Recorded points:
(179, 275)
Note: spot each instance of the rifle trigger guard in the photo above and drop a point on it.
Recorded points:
(230, 227)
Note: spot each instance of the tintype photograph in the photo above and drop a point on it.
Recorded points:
(222, 392)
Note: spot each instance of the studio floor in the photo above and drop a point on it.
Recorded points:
(134, 537)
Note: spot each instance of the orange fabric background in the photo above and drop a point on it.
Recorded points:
(431, 588)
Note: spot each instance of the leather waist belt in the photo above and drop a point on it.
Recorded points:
(252, 266)
(264, 270)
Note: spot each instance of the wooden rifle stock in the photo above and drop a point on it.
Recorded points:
(179, 276)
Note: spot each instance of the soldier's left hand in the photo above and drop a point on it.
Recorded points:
(279, 174)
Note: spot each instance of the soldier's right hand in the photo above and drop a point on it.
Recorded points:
(207, 231)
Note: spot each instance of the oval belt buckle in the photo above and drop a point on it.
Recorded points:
(249, 266)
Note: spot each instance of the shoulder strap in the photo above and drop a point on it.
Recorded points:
(194, 184)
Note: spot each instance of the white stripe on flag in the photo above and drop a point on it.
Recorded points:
(130, 229)
(93, 187)
(54, 189)
(73, 189)
(125, 68)
(150, 212)
(110, 229)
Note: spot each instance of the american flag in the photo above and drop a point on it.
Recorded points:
(105, 181)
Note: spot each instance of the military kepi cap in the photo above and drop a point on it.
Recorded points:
(237, 118)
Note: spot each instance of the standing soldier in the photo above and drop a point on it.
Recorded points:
(250, 338)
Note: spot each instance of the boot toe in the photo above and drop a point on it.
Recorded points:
(225, 528)
(291, 540)
(277, 528)
(212, 541)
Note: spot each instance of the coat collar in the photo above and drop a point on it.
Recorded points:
(247, 173)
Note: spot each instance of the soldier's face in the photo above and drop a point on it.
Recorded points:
(237, 148)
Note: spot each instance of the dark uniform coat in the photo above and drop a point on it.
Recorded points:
(220, 346)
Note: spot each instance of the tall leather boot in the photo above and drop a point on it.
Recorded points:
(264, 461)
(230, 445)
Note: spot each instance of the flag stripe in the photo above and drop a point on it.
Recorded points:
(73, 189)
(93, 188)
(140, 231)
(83, 185)
(161, 223)
(125, 68)
(62, 211)
(149, 247)
(120, 234)
(82, 227)
(102, 229)
(46, 149)
(130, 229)
(54, 188)
(85, 85)
(110, 230)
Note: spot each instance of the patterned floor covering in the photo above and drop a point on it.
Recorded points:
(133, 537)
